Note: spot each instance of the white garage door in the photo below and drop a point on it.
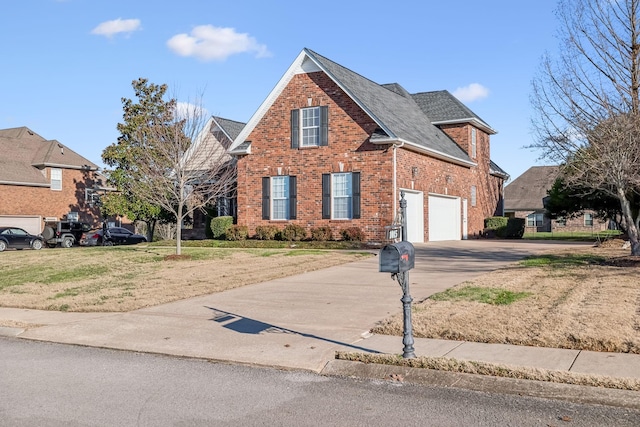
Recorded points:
(444, 218)
(415, 216)
(32, 224)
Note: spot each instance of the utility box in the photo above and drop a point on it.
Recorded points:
(397, 257)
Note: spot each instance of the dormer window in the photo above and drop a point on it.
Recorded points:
(309, 127)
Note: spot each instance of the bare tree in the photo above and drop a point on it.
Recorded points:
(587, 102)
(180, 166)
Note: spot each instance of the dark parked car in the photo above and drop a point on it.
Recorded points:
(13, 237)
(115, 236)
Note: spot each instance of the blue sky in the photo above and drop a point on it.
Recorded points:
(68, 63)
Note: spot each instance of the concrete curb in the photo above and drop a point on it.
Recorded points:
(539, 389)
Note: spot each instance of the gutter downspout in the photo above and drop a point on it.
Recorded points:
(395, 179)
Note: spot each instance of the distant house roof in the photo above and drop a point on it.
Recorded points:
(399, 117)
(210, 145)
(26, 154)
(526, 192)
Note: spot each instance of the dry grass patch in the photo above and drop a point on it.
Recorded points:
(588, 300)
(496, 370)
(128, 278)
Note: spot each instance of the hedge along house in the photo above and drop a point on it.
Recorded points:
(329, 147)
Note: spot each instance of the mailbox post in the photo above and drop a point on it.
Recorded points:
(398, 258)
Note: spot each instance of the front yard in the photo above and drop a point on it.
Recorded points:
(128, 278)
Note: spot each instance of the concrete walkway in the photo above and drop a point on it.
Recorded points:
(299, 322)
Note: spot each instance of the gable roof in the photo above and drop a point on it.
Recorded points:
(443, 108)
(526, 192)
(212, 142)
(26, 154)
(399, 117)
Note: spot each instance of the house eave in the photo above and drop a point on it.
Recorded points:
(63, 166)
(477, 123)
(25, 184)
(424, 150)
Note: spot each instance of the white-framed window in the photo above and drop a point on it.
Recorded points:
(279, 197)
(474, 195)
(535, 220)
(56, 179)
(341, 195)
(588, 220)
(310, 126)
(473, 143)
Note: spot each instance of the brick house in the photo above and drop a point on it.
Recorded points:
(524, 198)
(329, 147)
(42, 178)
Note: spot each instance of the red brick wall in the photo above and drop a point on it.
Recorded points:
(349, 131)
(25, 200)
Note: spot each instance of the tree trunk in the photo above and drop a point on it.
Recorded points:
(632, 223)
(179, 219)
(151, 229)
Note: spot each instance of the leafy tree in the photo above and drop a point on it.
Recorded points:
(122, 156)
(168, 156)
(588, 106)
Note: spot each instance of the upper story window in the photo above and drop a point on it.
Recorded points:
(474, 143)
(341, 195)
(309, 127)
(279, 198)
(56, 179)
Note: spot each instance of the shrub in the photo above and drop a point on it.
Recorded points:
(237, 232)
(352, 234)
(293, 232)
(266, 232)
(220, 225)
(211, 213)
(515, 228)
(321, 234)
(495, 226)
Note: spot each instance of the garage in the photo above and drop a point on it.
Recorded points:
(415, 215)
(32, 224)
(444, 218)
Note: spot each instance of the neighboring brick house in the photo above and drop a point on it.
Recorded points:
(329, 147)
(42, 178)
(524, 198)
(212, 142)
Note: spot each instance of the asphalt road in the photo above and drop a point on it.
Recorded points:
(45, 384)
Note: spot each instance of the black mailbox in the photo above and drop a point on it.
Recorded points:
(397, 257)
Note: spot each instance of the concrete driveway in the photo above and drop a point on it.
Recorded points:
(294, 322)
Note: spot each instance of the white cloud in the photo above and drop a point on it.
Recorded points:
(471, 93)
(111, 28)
(209, 43)
(189, 111)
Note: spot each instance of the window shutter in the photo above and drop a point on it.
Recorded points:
(295, 128)
(293, 197)
(266, 187)
(326, 196)
(355, 185)
(324, 125)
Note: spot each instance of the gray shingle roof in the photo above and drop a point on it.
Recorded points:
(26, 154)
(398, 115)
(440, 106)
(231, 127)
(525, 193)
